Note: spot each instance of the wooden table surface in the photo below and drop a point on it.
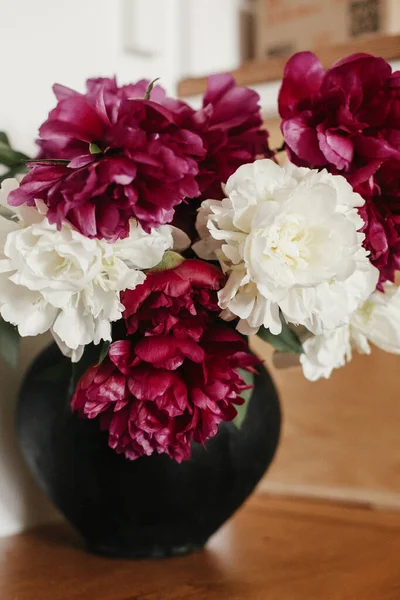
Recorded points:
(273, 549)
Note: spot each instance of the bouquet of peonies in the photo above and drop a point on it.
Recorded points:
(151, 239)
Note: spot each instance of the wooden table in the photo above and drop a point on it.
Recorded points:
(274, 549)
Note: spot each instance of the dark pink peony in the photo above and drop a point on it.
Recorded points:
(128, 158)
(345, 119)
(230, 124)
(381, 214)
(176, 376)
(181, 301)
(70, 145)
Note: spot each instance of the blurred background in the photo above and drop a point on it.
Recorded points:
(340, 437)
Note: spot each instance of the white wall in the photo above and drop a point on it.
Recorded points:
(45, 41)
(66, 41)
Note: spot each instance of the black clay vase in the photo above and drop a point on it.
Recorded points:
(151, 506)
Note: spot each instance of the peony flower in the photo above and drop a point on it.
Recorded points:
(377, 321)
(62, 281)
(381, 214)
(181, 301)
(206, 247)
(290, 243)
(346, 119)
(230, 125)
(149, 155)
(128, 159)
(112, 95)
(175, 379)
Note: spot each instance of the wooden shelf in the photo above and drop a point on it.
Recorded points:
(263, 71)
(274, 548)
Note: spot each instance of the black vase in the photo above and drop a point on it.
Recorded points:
(152, 506)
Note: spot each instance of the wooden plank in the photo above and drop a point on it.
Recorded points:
(340, 437)
(263, 71)
(273, 549)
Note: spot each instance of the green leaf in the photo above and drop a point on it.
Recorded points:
(94, 149)
(4, 138)
(46, 161)
(170, 260)
(10, 157)
(150, 88)
(286, 341)
(242, 409)
(13, 171)
(9, 343)
(104, 348)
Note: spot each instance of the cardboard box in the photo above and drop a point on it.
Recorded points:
(247, 30)
(287, 26)
(391, 16)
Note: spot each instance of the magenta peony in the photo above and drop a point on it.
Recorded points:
(69, 145)
(176, 376)
(381, 214)
(230, 124)
(128, 158)
(346, 119)
(131, 157)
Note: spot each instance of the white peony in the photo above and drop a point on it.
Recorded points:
(206, 248)
(62, 281)
(377, 321)
(289, 240)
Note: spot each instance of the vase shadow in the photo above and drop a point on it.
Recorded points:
(58, 535)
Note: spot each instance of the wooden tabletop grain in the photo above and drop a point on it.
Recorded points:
(273, 549)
